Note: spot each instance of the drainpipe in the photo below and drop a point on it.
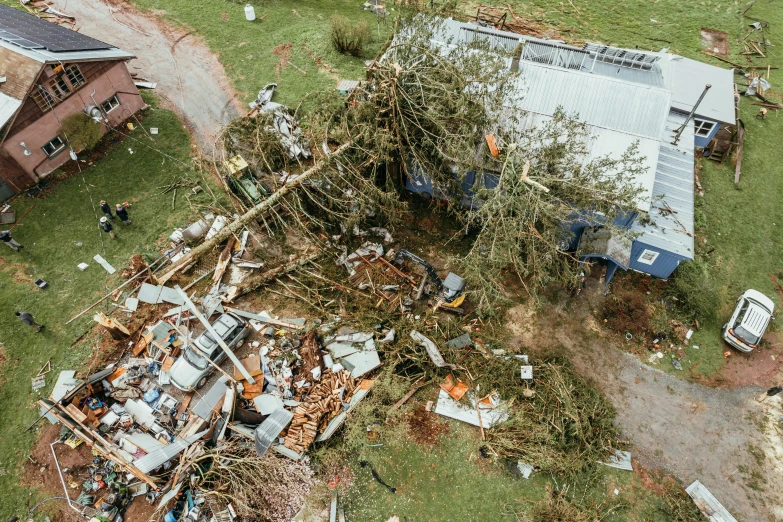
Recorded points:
(690, 115)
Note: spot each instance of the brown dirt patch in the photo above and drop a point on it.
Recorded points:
(284, 52)
(41, 471)
(760, 367)
(715, 41)
(425, 427)
(139, 510)
(135, 265)
(649, 480)
(17, 273)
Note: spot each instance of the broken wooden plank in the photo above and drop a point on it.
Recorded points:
(741, 141)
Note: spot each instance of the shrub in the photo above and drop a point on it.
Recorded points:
(82, 131)
(348, 36)
(695, 291)
(625, 310)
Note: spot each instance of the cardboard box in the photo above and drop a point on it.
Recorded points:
(253, 366)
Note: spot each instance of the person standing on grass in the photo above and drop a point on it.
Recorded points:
(29, 321)
(5, 237)
(122, 213)
(106, 209)
(106, 226)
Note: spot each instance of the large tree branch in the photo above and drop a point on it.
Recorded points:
(251, 214)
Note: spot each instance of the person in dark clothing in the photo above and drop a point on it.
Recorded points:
(106, 209)
(106, 226)
(5, 237)
(29, 321)
(122, 213)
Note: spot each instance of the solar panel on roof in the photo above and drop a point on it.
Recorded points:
(30, 32)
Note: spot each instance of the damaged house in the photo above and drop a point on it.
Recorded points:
(624, 97)
(47, 73)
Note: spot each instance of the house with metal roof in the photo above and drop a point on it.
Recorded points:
(657, 100)
(47, 73)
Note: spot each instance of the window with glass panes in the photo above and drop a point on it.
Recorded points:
(74, 76)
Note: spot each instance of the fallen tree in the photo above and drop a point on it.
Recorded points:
(251, 215)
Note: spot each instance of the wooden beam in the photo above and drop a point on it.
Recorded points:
(215, 336)
(741, 141)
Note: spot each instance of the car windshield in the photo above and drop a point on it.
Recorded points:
(206, 342)
(195, 359)
(746, 336)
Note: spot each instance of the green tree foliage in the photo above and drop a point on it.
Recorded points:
(695, 290)
(430, 107)
(83, 132)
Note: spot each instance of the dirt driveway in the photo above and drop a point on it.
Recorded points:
(720, 436)
(189, 77)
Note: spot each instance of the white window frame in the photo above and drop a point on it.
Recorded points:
(647, 252)
(700, 126)
(57, 149)
(112, 106)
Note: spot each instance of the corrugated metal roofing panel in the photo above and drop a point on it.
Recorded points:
(160, 456)
(671, 212)
(487, 35)
(599, 101)
(687, 79)
(8, 107)
(603, 142)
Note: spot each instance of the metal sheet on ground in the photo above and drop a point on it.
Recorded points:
(708, 504)
(105, 264)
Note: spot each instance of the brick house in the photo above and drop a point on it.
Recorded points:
(48, 72)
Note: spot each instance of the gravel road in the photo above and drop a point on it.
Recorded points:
(720, 436)
(190, 78)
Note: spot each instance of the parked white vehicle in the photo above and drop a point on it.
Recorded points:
(192, 370)
(749, 321)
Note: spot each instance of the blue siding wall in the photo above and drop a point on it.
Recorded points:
(703, 141)
(662, 267)
(586, 219)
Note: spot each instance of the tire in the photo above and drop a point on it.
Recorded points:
(240, 343)
(201, 382)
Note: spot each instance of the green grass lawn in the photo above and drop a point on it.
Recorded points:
(251, 51)
(60, 232)
(743, 222)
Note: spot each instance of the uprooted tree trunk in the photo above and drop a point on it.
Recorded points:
(251, 214)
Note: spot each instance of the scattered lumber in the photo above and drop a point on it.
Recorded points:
(741, 141)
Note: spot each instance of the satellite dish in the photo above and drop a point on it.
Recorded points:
(94, 112)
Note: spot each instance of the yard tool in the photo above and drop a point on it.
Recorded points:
(450, 291)
(375, 475)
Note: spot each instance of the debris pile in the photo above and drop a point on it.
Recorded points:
(146, 421)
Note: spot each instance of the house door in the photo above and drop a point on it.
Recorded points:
(5, 191)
